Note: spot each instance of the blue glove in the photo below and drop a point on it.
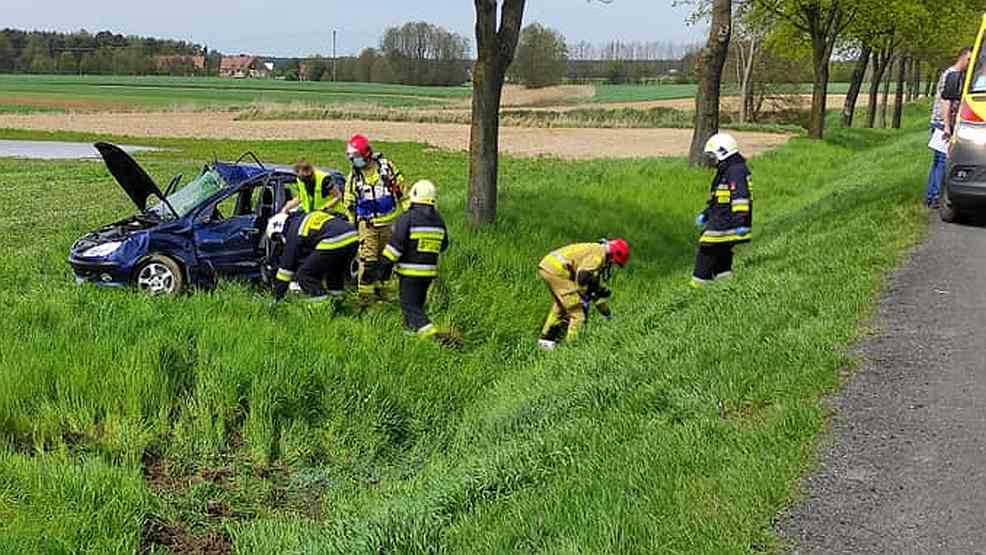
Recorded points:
(741, 231)
(701, 219)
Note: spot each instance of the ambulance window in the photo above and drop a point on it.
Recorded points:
(979, 74)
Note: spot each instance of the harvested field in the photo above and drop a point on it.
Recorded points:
(562, 143)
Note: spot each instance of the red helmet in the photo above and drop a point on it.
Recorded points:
(619, 251)
(359, 144)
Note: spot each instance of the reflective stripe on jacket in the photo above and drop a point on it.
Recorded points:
(306, 233)
(729, 213)
(419, 237)
(375, 196)
(325, 184)
(569, 261)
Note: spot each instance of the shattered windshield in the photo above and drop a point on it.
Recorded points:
(184, 200)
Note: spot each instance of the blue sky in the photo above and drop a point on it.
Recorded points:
(302, 27)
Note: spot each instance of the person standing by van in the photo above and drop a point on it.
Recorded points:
(943, 120)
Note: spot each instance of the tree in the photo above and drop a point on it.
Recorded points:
(712, 61)
(365, 65)
(425, 54)
(6, 53)
(823, 22)
(495, 48)
(541, 57)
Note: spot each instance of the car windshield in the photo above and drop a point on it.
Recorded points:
(184, 200)
(979, 74)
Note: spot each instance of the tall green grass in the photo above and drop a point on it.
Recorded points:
(681, 426)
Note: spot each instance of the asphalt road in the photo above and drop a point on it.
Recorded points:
(905, 471)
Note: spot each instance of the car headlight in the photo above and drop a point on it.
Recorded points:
(972, 133)
(105, 249)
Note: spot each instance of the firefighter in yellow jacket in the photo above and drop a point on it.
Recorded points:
(373, 198)
(317, 190)
(574, 275)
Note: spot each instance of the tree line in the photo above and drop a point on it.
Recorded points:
(104, 52)
(894, 45)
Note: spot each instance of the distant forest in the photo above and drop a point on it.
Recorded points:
(416, 53)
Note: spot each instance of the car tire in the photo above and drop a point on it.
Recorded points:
(159, 275)
(946, 210)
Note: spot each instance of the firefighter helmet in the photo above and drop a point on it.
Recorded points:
(359, 145)
(423, 192)
(619, 251)
(721, 146)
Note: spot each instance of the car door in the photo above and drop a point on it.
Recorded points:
(229, 242)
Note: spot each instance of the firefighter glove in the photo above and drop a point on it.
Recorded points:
(742, 231)
(701, 219)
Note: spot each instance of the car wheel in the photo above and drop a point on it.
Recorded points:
(946, 210)
(159, 275)
(354, 270)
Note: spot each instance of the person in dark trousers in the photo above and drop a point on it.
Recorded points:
(318, 252)
(728, 216)
(943, 119)
(419, 237)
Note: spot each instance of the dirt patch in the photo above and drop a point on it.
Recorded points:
(562, 143)
(175, 538)
(516, 95)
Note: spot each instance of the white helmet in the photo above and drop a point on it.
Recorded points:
(722, 146)
(275, 226)
(423, 192)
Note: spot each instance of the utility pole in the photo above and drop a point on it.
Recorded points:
(334, 75)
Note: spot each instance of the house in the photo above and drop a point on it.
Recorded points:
(243, 66)
(180, 65)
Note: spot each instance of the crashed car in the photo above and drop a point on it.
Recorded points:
(211, 228)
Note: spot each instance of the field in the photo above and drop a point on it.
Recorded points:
(94, 93)
(204, 424)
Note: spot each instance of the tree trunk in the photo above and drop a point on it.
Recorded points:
(746, 87)
(710, 81)
(855, 85)
(916, 80)
(902, 66)
(495, 51)
(884, 101)
(821, 54)
(880, 60)
(929, 86)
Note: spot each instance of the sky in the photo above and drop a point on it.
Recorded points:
(304, 27)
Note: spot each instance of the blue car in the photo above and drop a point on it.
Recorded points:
(212, 228)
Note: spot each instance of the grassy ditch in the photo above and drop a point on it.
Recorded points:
(134, 424)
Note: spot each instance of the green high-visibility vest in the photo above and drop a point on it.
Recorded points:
(310, 203)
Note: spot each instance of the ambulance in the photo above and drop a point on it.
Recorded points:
(964, 190)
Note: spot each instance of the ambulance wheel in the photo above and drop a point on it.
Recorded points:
(159, 275)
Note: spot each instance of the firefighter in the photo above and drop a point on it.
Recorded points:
(575, 274)
(728, 217)
(373, 197)
(317, 190)
(318, 250)
(418, 238)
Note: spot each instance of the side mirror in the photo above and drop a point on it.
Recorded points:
(953, 86)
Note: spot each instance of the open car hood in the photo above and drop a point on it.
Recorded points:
(128, 173)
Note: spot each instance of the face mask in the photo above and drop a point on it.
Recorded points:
(358, 162)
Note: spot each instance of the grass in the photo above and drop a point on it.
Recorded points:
(588, 117)
(129, 423)
(645, 93)
(116, 92)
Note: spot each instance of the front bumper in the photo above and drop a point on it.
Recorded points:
(965, 175)
(107, 274)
